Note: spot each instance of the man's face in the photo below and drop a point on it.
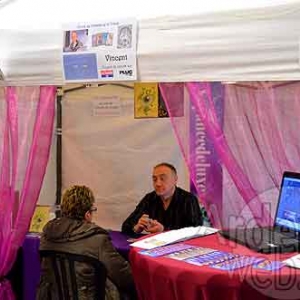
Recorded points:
(164, 181)
(74, 36)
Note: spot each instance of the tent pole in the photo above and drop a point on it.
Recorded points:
(58, 145)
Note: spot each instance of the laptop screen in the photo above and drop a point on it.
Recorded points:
(288, 210)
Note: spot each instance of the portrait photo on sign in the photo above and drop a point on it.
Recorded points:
(102, 39)
(124, 36)
(76, 40)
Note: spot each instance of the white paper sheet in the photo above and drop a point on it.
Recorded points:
(293, 261)
(173, 236)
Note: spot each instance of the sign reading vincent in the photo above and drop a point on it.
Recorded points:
(102, 51)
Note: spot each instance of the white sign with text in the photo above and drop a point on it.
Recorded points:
(100, 51)
(107, 106)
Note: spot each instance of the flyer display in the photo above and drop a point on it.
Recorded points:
(100, 51)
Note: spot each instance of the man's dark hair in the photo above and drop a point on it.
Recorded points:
(164, 164)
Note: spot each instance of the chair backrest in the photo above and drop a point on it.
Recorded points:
(63, 267)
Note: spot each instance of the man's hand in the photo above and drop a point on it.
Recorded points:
(142, 224)
(155, 226)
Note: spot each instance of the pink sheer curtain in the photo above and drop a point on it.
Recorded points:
(256, 141)
(26, 128)
(261, 129)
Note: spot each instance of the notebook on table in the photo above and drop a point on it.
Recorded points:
(284, 235)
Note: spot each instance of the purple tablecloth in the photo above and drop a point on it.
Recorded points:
(119, 240)
(31, 266)
(31, 260)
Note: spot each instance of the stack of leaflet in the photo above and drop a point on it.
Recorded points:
(223, 260)
(211, 258)
(220, 260)
(293, 261)
(236, 262)
(242, 261)
(173, 236)
(268, 265)
(165, 250)
(190, 252)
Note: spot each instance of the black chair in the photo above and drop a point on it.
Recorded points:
(63, 265)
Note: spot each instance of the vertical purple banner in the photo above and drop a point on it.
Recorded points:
(206, 171)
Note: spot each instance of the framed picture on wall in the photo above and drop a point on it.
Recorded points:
(149, 102)
(39, 219)
(145, 100)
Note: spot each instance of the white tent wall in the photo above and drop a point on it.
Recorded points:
(114, 155)
(186, 41)
(180, 42)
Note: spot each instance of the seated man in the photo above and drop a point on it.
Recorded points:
(75, 233)
(167, 207)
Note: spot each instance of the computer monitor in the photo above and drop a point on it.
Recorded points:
(288, 209)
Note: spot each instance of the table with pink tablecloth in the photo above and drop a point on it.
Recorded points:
(170, 279)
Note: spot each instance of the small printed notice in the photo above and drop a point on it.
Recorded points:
(107, 107)
(100, 51)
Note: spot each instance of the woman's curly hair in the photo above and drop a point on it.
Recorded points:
(76, 201)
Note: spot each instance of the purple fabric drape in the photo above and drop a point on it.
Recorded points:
(26, 129)
(257, 142)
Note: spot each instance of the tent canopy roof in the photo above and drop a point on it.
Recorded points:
(52, 14)
(177, 41)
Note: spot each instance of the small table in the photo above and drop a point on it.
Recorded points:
(31, 260)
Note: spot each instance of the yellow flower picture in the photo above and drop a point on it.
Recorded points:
(145, 100)
(40, 217)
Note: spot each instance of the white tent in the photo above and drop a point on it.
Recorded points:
(185, 41)
(235, 40)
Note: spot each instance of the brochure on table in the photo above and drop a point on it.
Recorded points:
(293, 261)
(191, 252)
(216, 259)
(100, 51)
(173, 236)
